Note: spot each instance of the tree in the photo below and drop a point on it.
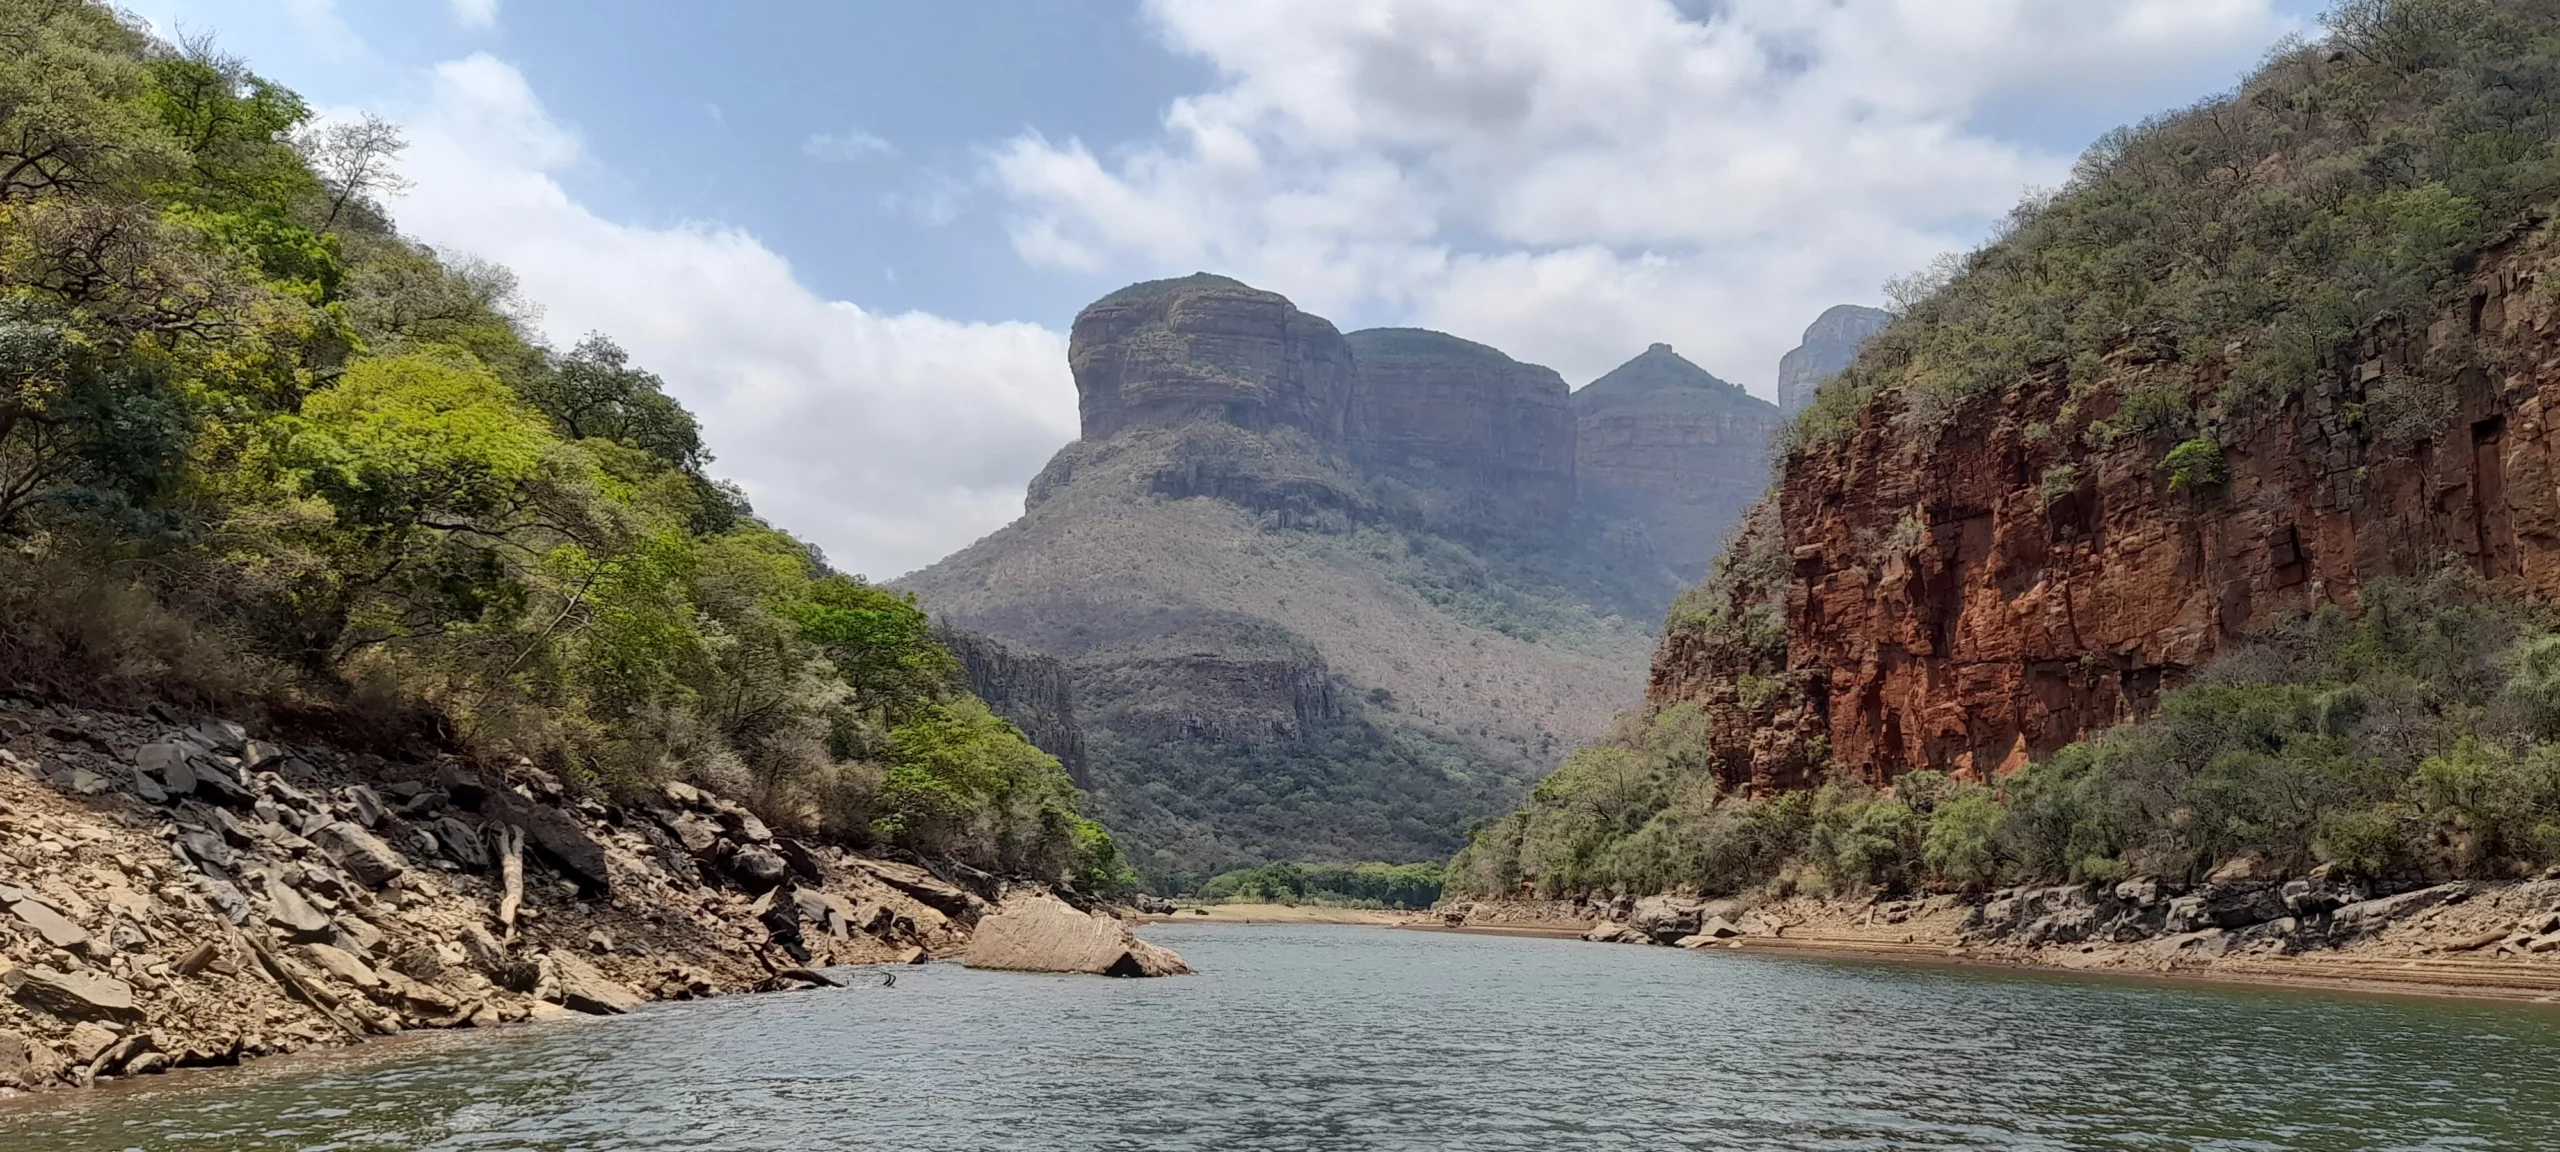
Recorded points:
(595, 392)
(355, 160)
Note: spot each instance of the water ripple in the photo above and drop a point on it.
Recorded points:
(1308, 1038)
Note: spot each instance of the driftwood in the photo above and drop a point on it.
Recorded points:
(808, 976)
(275, 969)
(511, 873)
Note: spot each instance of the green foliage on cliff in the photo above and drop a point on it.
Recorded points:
(259, 450)
(2419, 736)
(2347, 181)
(1336, 885)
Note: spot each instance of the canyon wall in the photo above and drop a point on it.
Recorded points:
(1977, 596)
(1168, 352)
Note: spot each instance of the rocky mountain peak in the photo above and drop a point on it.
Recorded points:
(1830, 343)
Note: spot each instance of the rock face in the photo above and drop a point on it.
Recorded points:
(1830, 343)
(1978, 598)
(1670, 447)
(1037, 932)
(1485, 438)
(1170, 352)
(1034, 690)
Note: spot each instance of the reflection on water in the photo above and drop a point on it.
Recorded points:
(1363, 1038)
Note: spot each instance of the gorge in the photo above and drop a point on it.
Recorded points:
(1326, 596)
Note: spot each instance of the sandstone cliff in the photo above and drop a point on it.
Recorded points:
(1830, 343)
(1973, 599)
(1667, 446)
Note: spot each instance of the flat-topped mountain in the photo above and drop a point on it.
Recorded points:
(1334, 597)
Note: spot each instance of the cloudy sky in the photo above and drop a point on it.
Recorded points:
(852, 234)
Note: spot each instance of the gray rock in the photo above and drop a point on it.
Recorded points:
(694, 833)
(220, 736)
(88, 783)
(462, 843)
(758, 869)
(559, 840)
(73, 995)
(482, 950)
(1611, 932)
(216, 783)
(341, 965)
(287, 910)
(209, 850)
(359, 852)
(574, 984)
(370, 810)
(168, 764)
(1037, 932)
(88, 1041)
(56, 928)
(1665, 919)
(743, 827)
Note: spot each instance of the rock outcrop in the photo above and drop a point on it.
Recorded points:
(1978, 597)
(1831, 342)
(310, 896)
(1033, 931)
(1666, 445)
(1034, 690)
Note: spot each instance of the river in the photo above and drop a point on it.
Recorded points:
(1324, 1037)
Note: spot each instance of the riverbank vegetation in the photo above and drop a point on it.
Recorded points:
(1329, 885)
(2418, 736)
(258, 451)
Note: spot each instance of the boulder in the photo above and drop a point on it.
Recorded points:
(220, 736)
(288, 910)
(574, 984)
(17, 1054)
(757, 868)
(216, 783)
(370, 810)
(166, 763)
(558, 838)
(462, 843)
(1615, 933)
(927, 889)
(1037, 932)
(360, 852)
(56, 928)
(73, 995)
(88, 1041)
(1665, 919)
(695, 833)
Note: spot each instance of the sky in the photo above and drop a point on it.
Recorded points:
(852, 235)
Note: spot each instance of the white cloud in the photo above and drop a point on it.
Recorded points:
(889, 440)
(849, 146)
(1574, 179)
(475, 14)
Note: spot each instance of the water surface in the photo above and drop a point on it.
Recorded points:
(1321, 1037)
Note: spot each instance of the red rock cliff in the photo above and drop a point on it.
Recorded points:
(1972, 599)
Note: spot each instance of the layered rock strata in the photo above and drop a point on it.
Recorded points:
(1663, 443)
(1977, 597)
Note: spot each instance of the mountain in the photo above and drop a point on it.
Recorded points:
(1663, 443)
(2196, 519)
(1830, 344)
(1333, 597)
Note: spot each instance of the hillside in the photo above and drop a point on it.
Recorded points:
(1334, 597)
(261, 455)
(2207, 513)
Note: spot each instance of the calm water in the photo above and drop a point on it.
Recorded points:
(1361, 1038)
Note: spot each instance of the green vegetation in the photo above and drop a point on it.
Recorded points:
(2345, 183)
(258, 451)
(1332, 885)
(2419, 736)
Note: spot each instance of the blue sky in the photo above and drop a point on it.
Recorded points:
(853, 235)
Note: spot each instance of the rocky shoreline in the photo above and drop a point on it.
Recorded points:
(180, 893)
(2498, 939)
